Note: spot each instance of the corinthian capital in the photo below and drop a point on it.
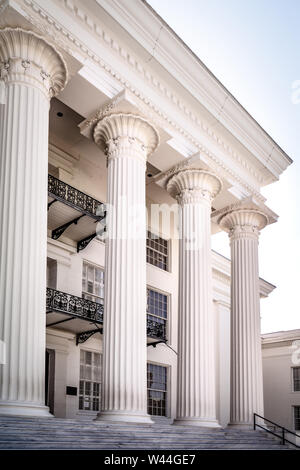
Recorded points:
(194, 185)
(26, 57)
(243, 223)
(126, 135)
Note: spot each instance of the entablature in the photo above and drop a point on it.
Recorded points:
(106, 60)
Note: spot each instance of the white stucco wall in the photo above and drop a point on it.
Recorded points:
(279, 397)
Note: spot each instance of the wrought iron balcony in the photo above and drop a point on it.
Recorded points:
(155, 329)
(73, 307)
(74, 198)
(60, 302)
(76, 213)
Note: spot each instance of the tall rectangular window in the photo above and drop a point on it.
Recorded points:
(296, 379)
(297, 418)
(157, 251)
(90, 381)
(156, 389)
(157, 309)
(92, 283)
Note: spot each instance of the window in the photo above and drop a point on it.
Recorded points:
(51, 273)
(157, 251)
(297, 418)
(296, 379)
(92, 283)
(156, 389)
(90, 380)
(157, 309)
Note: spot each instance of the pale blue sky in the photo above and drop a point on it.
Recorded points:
(253, 48)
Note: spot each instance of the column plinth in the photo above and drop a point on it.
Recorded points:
(243, 226)
(32, 72)
(128, 139)
(196, 394)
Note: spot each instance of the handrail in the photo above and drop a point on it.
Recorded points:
(284, 430)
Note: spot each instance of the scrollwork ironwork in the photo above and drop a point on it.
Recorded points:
(61, 302)
(156, 329)
(73, 197)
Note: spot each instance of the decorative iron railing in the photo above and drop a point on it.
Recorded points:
(155, 329)
(61, 302)
(73, 197)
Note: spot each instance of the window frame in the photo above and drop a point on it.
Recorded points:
(167, 319)
(295, 419)
(293, 379)
(167, 256)
(92, 382)
(84, 293)
(166, 391)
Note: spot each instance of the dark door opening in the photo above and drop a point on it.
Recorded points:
(49, 379)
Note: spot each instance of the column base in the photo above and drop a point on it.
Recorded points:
(200, 422)
(23, 408)
(124, 417)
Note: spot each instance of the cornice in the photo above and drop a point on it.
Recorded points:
(141, 20)
(280, 336)
(65, 39)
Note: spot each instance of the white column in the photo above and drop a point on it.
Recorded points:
(196, 394)
(129, 139)
(246, 360)
(32, 72)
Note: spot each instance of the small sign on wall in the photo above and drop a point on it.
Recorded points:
(71, 391)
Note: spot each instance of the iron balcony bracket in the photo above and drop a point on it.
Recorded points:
(82, 244)
(50, 203)
(83, 337)
(57, 232)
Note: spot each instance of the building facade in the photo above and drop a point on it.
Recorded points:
(281, 378)
(144, 156)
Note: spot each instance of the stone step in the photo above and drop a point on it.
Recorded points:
(30, 433)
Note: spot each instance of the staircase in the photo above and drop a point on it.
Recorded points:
(41, 433)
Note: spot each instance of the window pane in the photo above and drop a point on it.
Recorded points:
(297, 417)
(296, 379)
(157, 251)
(90, 380)
(92, 283)
(157, 387)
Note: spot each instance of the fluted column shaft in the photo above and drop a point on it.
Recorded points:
(124, 392)
(196, 393)
(30, 69)
(246, 358)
